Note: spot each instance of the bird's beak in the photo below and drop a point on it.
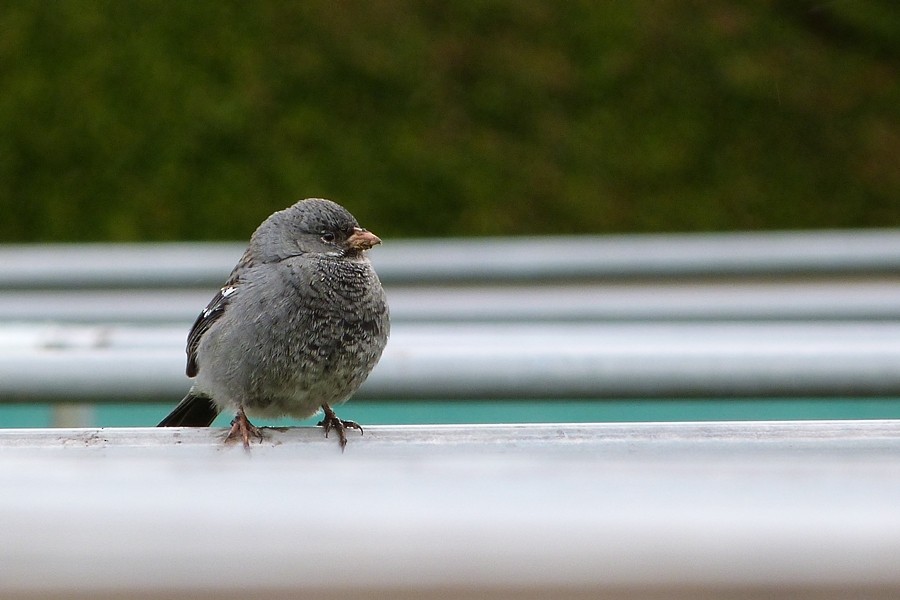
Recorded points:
(361, 239)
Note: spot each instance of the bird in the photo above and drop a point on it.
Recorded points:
(298, 326)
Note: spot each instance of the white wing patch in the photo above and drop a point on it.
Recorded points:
(224, 292)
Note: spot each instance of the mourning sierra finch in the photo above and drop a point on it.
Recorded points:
(298, 325)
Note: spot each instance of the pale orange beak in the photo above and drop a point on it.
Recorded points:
(361, 239)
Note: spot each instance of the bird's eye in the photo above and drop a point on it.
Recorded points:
(327, 237)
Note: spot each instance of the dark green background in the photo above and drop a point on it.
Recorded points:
(146, 120)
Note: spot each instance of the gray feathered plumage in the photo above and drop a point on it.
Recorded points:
(298, 325)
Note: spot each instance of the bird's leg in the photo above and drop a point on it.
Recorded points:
(331, 421)
(243, 428)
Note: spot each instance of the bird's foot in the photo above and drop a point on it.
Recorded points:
(331, 421)
(242, 428)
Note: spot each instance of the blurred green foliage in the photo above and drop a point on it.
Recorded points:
(147, 120)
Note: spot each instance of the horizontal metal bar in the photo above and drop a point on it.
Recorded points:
(108, 363)
(117, 265)
(835, 300)
(683, 510)
(477, 259)
(642, 256)
(838, 300)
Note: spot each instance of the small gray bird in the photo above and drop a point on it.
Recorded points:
(298, 326)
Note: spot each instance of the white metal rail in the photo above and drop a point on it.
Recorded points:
(676, 511)
(478, 259)
(122, 363)
(872, 299)
(811, 313)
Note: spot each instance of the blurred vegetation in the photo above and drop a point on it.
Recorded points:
(147, 120)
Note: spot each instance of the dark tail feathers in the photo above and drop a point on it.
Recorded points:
(193, 411)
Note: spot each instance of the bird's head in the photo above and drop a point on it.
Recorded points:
(312, 226)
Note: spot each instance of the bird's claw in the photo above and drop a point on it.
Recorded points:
(242, 428)
(331, 421)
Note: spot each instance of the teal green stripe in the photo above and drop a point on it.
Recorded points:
(25, 415)
(516, 411)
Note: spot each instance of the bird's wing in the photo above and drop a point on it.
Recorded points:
(210, 314)
(214, 310)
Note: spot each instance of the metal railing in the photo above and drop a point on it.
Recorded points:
(488, 260)
(569, 511)
(814, 313)
(676, 511)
